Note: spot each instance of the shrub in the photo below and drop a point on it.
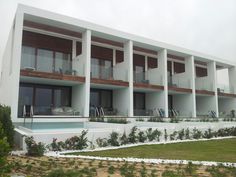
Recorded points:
(155, 119)
(181, 134)
(96, 119)
(113, 139)
(7, 126)
(153, 134)
(208, 134)
(173, 136)
(133, 138)
(187, 134)
(197, 134)
(124, 139)
(33, 148)
(141, 137)
(117, 120)
(165, 135)
(77, 142)
(102, 142)
(4, 150)
(111, 170)
(56, 146)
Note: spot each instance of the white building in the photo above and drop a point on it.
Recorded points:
(64, 68)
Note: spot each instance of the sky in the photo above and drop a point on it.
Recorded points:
(206, 26)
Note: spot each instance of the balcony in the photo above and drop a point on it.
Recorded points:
(147, 80)
(109, 75)
(49, 64)
(179, 84)
(204, 86)
(225, 90)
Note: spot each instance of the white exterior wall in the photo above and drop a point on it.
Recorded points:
(9, 84)
(232, 77)
(226, 105)
(120, 101)
(183, 103)
(209, 103)
(78, 98)
(123, 98)
(5, 75)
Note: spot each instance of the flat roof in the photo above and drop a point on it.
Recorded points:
(77, 25)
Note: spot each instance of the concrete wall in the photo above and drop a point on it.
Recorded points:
(121, 101)
(183, 103)
(226, 105)
(204, 104)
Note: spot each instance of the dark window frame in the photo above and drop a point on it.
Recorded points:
(99, 91)
(52, 87)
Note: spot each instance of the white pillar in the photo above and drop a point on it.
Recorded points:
(86, 52)
(190, 74)
(211, 68)
(16, 62)
(128, 59)
(162, 63)
(232, 76)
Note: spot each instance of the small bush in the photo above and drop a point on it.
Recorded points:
(141, 137)
(117, 120)
(124, 139)
(33, 148)
(208, 134)
(7, 126)
(113, 139)
(4, 150)
(197, 134)
(133, 138)
(102, 142)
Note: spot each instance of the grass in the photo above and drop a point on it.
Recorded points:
(213, 150)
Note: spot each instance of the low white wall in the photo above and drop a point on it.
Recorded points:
(100, 130)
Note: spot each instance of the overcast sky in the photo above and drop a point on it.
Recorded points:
(207, 26)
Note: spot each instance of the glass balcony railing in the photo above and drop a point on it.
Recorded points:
(203, 85)
(59, 66)
(223, 88)
(108, 73)
(178, 82)
(145, 77)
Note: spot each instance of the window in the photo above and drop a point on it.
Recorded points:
(45, 60)
(101, 98)
(28, 57)
(25, 98)
(139, 100)
(43, 97)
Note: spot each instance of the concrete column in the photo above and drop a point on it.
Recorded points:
(162, 64)
(232, 76)
(128, 60)
(16, 62)
(73, 49)
(86, 52)
(146, 63)
(211, 68)
(190, 73)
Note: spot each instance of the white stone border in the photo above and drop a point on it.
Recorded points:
(130, 159)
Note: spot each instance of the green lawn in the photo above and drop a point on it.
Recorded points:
(213, 150)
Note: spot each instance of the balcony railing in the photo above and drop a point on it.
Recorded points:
(108, 73)
(203, 85)
(59, 66)
(223, 88)
(145, 77)
(178, 82)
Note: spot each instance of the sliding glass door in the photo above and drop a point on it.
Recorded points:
(43, 98)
